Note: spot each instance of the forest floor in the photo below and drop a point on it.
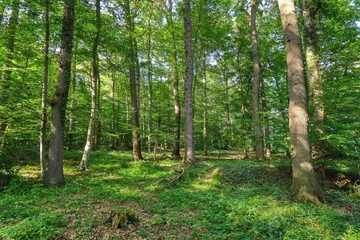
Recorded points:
(223, 196)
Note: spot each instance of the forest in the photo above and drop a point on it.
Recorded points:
(169, 119)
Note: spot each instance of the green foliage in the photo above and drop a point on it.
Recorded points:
(43, 226)
(214, 199)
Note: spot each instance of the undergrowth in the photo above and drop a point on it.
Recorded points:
(214, 199)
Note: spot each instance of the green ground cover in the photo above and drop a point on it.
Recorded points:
(225, 198)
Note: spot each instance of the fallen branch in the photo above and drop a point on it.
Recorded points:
(173, 179)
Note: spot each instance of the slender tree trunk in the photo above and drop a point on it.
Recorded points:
(113, 114)
(175, 73)
(98, 130)
(133, 83)
(305, 187)
(6, 74)
(44, 94)
(70, 136)
(205, 135)
(55, 174)
(266, 120)
(259, 143)
(84, 164)
(309, 10)
(189, 77)
(150, 91)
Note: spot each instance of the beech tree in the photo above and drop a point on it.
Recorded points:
(189, 75)
(304, 186)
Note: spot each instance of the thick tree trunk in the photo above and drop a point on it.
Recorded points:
(259, 143)
(6, 74)
(84, 164)
(55, 174)
(133, 83)
(189, 76)
(305, 187)
(44, 95)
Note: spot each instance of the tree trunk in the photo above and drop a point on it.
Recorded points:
(84, 164)
(133, 83)
(205, 135)
(150, 90)
(175, 72)
(70, 136)
(189, 76)
(305, 187)
(6, 74)
(309, 10)
(266, 120)
(259, 143)
(44, 95)
(55, 175)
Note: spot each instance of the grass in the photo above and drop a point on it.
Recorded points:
(215, 199)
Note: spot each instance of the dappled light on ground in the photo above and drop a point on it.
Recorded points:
(224, 198)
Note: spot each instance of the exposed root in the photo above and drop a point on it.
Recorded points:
(173, 179)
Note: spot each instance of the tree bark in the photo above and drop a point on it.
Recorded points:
(189, 77)
(259, 142)
(205, 116)
(309, 10)
(84, 164)
(44, 95)
(133, 83)
(305, 187)
(55, 174)
(175, 73)
(71, 126)
(266, 120)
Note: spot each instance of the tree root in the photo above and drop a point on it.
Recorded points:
(173, 179)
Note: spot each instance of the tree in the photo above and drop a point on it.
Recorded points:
(133, 65)
(189, 75)
(259, 142)
(309, 10)
(44, 94)
(304, 186)
(175, 74)
(84, 164)
(55, 174)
